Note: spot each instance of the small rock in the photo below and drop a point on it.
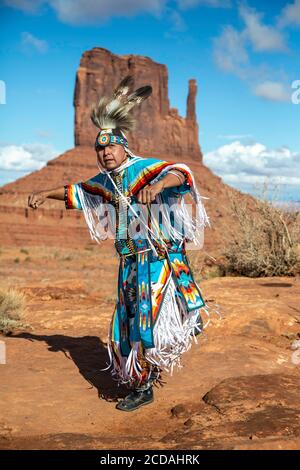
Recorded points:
(178, 411)
(189, 423)
(46, 297)
(296, 344)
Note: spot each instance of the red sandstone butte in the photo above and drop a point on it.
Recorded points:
(160, 129)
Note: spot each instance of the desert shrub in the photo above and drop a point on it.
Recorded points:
(215, 271)
(196, 262)
(89, 248)
(265, 241)
(67, 258)
(204, 266)
(12, 304)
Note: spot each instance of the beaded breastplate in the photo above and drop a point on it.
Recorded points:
(123, 243)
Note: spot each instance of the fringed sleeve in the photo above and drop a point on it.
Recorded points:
(99, 215)
(91, 196)
(194, 224)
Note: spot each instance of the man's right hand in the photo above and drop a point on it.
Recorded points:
(36, 199)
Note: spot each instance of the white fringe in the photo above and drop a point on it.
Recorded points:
(174, 333)
(94, 209)
(193, 226)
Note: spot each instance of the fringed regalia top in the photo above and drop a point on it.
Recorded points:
(159, 304)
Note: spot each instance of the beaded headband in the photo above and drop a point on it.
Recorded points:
(109, 136)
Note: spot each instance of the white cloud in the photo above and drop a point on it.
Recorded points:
(263, 38)
(44, 133)
(237, 163)
(30, 42)
(91, 11)
(272, 91)
(290, 14)
(78, 12)
(29, 6)
(178, 23)
(230, 48)
(229, 51)
(27, 157)
(235, 136)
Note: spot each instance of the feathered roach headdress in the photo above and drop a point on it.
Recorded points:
(112, 114)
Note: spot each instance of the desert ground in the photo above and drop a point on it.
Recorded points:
(238, 387)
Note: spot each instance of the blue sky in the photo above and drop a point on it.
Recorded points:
(244, 55)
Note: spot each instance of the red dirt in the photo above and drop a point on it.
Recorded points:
(53, 395)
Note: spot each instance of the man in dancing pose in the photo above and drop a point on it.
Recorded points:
(140, 202)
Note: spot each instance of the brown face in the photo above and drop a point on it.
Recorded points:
(111, 156)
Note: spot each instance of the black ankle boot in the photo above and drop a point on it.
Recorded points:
(137, 398)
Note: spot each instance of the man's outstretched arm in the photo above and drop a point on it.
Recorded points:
(35, 199)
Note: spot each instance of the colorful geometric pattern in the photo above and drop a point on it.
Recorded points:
(160, 273)
(94, 186)
(146, 175)
(107, 136)
(71, 197)
(153, 168)
(185, 281)
(144, 304)
(104, 138)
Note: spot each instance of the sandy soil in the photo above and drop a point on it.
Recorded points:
(238, 387)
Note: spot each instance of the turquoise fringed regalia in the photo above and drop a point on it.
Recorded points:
(159, 303)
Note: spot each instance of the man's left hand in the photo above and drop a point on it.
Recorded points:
(149, 192)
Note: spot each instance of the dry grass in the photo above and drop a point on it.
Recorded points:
(266, 240)
(12, 305)
(196, 262)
